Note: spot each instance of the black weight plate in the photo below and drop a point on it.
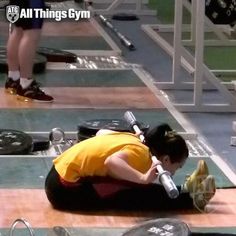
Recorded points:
(162, 226)
(79, 1)
(56, 1)
(40, 143)
(39, 62)
(3, 60)
(55, 55)
(221, 11)
(89, 128)
(14, 142)
(125, 17)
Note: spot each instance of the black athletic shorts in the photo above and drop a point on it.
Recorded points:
(32, 23)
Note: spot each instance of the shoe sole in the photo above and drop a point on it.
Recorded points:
(209, 187)
(25, 99)
(11, 91)
(205, 193)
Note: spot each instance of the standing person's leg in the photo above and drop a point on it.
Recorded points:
(13, 45)
(21, 51)
(13, 60)
(29, 89)
(27, 51)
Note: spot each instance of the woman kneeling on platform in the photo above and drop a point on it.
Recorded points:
(114, 170)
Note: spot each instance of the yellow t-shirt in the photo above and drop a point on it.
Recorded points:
(87, 157)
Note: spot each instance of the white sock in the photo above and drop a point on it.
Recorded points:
(25, 82)
(15, 75)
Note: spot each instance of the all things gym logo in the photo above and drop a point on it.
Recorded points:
(14, 13)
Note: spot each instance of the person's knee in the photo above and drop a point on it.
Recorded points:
(15, 35)
(17, 31)
(32, 36)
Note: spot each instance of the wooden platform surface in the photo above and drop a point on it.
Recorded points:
(40, 214)
(89, 97)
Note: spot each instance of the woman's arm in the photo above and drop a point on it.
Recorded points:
(118, 167)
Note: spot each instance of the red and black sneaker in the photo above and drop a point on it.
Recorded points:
(33, 93)
(11, 85)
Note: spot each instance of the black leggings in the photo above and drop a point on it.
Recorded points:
(118, 194)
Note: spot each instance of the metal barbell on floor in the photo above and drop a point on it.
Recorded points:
(88, 4)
